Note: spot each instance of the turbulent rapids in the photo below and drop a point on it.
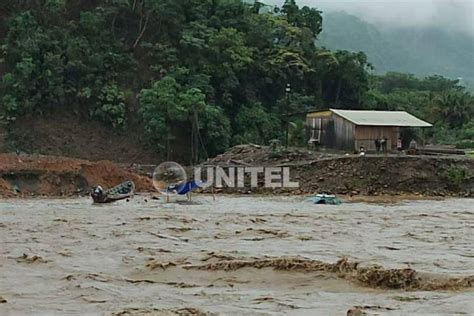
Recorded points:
(236, 255)
(373, 276)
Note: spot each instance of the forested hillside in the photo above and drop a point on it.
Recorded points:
(419, 50)
(194, 71)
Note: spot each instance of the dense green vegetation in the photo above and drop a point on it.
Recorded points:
(421, 50)
(438, 100)
(217, 68)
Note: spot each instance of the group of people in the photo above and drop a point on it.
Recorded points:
(381, 144)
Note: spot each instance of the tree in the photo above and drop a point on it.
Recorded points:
(160, 107)
(255, 125)
(216, 68)
(311, 19)
(168, 105)
(291, 10)
(454, 108)
(111, 106)
(215, 130)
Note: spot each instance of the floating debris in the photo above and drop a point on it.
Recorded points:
(372, 276)
(25, 258)
(153, 264)
(140, 281)
(187, 311)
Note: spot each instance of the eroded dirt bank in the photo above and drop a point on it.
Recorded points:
(353, 174)
(22, 175)
(316, 172)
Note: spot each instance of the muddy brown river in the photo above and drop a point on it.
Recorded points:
(69, 257)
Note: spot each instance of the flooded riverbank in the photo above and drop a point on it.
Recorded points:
(69, 256)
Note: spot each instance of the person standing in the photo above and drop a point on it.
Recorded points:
(377, 145)
(383, 143)
(399, 145)
(412, 149)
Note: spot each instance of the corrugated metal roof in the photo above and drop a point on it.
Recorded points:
(381, 118)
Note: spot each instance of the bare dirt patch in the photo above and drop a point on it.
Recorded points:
(32, 175)
(371, 175)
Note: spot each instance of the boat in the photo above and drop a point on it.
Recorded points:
(120, 192)
(326, 199)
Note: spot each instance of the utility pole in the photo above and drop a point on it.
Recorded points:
(287, 92)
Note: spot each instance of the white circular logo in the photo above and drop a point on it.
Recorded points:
(169, 177)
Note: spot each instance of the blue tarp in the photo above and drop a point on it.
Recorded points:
(184, 188)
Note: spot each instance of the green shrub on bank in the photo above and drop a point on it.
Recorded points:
(455, 176)
(111, 106)
(465, 144)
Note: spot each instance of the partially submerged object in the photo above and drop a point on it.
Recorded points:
(326, 199)
(120, 192)
(184, 187)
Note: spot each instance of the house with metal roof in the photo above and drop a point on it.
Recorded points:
(351, 129)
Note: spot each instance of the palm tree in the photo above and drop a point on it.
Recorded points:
(454, 108)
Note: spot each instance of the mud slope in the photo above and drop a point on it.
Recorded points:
(59, 176)
(66, 134)
(368, 175)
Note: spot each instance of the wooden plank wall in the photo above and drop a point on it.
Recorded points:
(337, 132)
(344, 133)
(322, 128)
(366, 136)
